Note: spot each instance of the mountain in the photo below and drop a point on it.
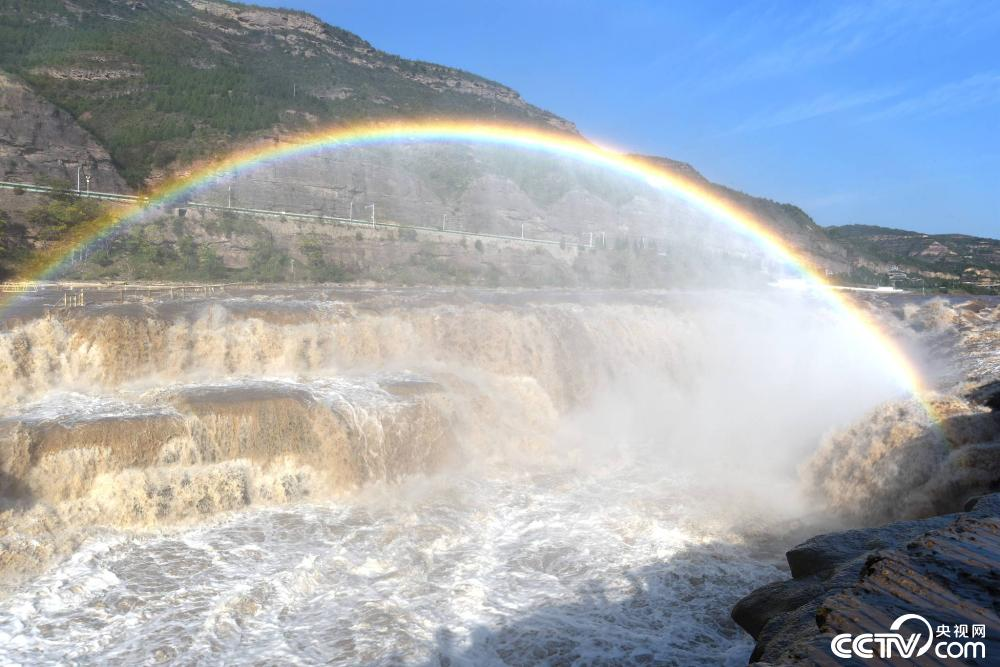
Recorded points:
(165, 82)
(945, 259)
(42, 141)
(129, 92)
(791, 222)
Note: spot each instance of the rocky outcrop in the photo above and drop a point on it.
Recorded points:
(988, 395)
(39, 141)
(308, 36)
(943, 568)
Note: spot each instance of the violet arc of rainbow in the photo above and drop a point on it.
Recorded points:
(533, 139)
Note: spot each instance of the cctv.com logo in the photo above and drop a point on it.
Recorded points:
(949, 641)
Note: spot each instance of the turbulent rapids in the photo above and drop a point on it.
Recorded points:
(410, 476)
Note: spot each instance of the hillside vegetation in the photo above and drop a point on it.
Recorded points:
(945, 260)
(165, 82)
(126, 92)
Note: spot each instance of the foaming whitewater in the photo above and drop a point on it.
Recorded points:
(503, 568)
(896, 463)
(409, 477)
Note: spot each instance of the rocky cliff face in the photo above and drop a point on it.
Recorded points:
(307, 36)
(300, 251)
(486, 189)
(942, 568)
(40, 142)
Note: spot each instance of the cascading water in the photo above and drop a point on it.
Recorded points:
(409, 477)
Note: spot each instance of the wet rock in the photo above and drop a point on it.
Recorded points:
(989, 505)
(822, 554)
(754, 611)
(988, 395)
(945, 568)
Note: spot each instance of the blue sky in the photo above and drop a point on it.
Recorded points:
(882, 113)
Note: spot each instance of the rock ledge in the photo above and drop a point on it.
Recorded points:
(945, 568)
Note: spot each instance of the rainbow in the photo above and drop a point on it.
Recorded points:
(535, 139)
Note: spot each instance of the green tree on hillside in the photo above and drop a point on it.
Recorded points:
(54, 218)
(267, 262)
(13, 244)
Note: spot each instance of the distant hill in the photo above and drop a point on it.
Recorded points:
(954, 258)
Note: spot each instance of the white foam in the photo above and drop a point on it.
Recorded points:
(68, 407)
(481, 570)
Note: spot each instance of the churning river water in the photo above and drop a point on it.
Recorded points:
(542, 567)
(378, 478)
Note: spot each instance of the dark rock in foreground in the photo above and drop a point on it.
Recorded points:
(988, 395)
(945, 568)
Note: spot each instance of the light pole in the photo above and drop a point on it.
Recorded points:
(352, 210)
(79, 168)
(372, 207)
(444, 217)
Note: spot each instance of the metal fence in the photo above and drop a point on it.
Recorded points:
(594, 239)
(372, 222)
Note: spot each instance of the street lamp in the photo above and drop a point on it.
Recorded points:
(372, 207)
